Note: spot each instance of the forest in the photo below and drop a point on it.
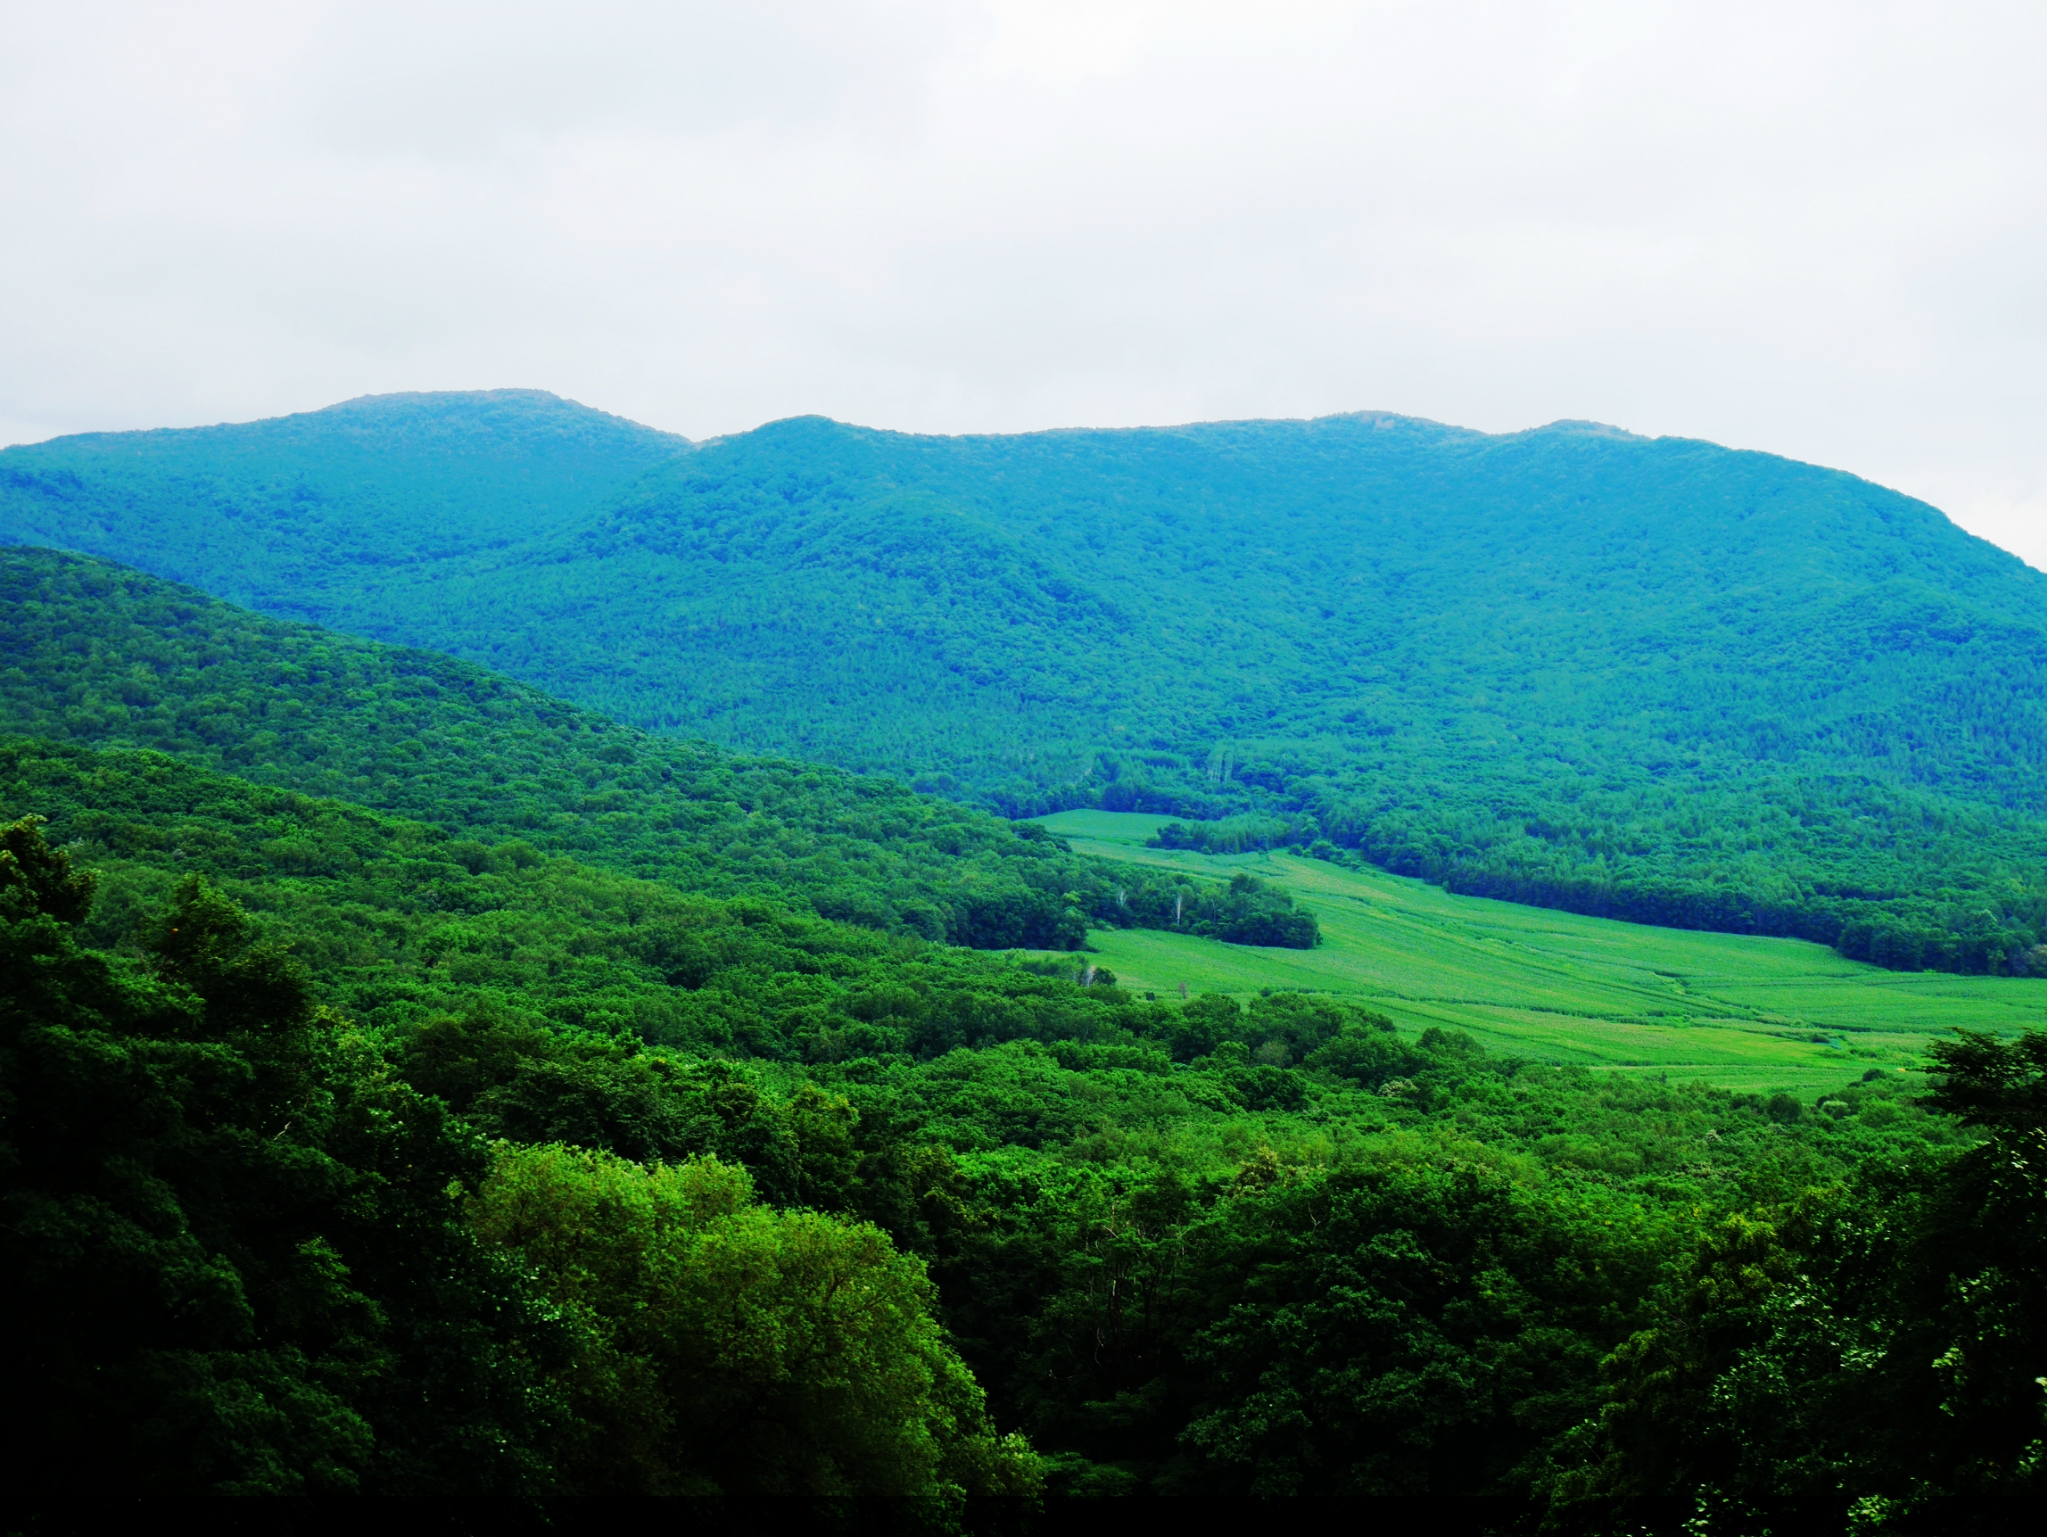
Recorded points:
(524, 971)
(317, 1183)
(1652, 680)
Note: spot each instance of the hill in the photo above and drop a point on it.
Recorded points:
(1658, 680)
(401, 922)
(100, 655)
(268, 513)
(469, 1093)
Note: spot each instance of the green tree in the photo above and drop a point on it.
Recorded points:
(738, 1349)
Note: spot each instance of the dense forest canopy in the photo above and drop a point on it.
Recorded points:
(1651, 679)
(400, 920)
(340, 1152)
(412, 1083)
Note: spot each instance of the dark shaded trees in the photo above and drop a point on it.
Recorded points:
(232, 1240)
(1886, 1336)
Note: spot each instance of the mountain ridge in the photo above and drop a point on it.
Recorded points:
(433, 473)
(1650, 678)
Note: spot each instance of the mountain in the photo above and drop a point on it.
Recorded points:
(262, 512)
(1654, 679)
(413, 1083)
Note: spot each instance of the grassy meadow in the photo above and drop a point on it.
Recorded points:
(1751, 1014)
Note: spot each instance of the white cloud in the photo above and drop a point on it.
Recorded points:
(1814, 229)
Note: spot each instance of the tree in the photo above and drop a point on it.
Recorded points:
(737, 1349)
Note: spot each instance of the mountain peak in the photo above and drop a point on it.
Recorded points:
(1575, 428)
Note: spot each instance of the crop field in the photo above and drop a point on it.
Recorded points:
(1742, 1013)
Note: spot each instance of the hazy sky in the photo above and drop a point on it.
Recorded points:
(1814, 229)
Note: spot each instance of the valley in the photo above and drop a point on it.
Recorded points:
(1747, 1013)
(910, 766)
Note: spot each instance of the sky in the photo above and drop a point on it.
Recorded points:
(1813, 229)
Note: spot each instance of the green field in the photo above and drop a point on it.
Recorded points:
(1743, 1013)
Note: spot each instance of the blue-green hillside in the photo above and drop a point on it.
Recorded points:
(1658, 680)
(276, 513)
(412, 1082)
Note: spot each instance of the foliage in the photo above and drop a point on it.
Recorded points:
(1407, 1290)
(911, 1204)
(1655, 680)
(402, 924)
(738, 1349)
(1885, 1336)
(1245, 912)
(241, 1256)
(235, 1257)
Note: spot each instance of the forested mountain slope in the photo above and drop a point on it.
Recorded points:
(101, 655)
(429, 1139)
(1653, 679)
(271, 513)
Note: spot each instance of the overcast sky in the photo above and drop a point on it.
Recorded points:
(1814, 229)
